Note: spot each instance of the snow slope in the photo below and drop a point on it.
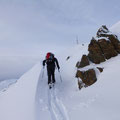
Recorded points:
(7, 83)
(116, 29)
(31, 99)
(100, 101)
(66, 102)
(18, 102)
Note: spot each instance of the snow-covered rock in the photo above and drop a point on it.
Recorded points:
(100, 50)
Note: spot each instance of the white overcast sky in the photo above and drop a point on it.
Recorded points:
(34, 26)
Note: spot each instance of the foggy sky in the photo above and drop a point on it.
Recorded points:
(31, 27)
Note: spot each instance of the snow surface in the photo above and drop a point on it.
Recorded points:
(18, 102)
(116, 28)
(7, 83)
(31, 99)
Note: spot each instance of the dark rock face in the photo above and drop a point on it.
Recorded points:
(102, 31)
(95, 54)
(84, 62)
(88, 77)
(77, 64)
(68, 58)
(100, 69)
(79, 74)
(107, 48)
(116, 43)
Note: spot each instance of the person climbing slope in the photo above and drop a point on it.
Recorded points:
(51, 63)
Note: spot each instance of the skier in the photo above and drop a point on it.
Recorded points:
(51, 62)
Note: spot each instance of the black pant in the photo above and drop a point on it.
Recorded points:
(51, 74)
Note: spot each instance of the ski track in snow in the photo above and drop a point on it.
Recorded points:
(56, 107)
(53, 103)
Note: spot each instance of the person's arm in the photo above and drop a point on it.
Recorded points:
(56, 61)
(44, 61)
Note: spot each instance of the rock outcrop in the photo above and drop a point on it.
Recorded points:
(112, 38)
(95, 54)
(68, 58)
(115, 42)
(104, 46)
(107, 48)
(101, 48)
(103, 31)
(88, 77)
(84, 62)
(100, 69)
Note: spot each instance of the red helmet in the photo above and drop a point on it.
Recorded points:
(48, 55)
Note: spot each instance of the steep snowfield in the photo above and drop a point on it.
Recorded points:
(7, 83)
(53, 102)
(18, 102)
(31, 99)
(66, 102)
(116, 28)
(100, 101)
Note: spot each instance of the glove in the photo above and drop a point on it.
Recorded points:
(58, 68)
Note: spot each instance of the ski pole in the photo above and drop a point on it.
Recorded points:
(60, 76)
(43, 72)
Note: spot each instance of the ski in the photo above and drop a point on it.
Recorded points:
(51, 86)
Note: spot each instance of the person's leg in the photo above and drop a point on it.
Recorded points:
(49, 76)
(53, 76)
(49, 79)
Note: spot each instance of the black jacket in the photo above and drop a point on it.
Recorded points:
(51, 63)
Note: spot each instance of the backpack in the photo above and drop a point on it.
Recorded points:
(49, 57)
